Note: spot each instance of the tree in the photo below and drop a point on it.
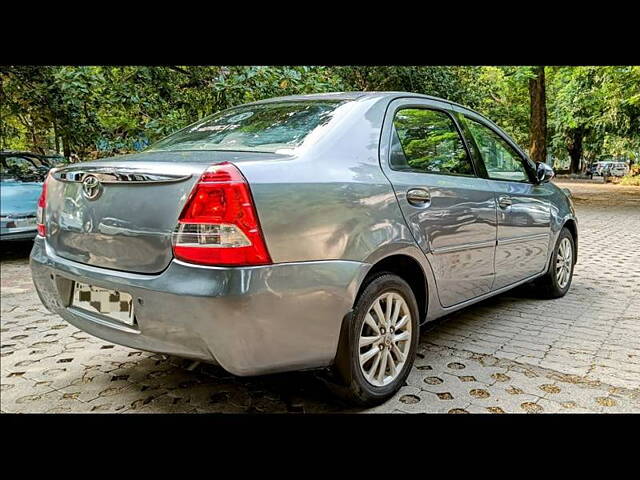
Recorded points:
(95, 111)
(538, 123)
(446, 82)
(501, 94)
(595, 112)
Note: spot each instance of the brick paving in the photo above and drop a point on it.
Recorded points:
(512, 353)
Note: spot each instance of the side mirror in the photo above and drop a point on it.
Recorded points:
(544, 173)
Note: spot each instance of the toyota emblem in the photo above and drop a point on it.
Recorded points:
(91, 187)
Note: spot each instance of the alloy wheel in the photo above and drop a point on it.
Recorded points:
(385, 339)
(564, 259)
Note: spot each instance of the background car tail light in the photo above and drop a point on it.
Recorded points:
(219, 224)
(40, 211)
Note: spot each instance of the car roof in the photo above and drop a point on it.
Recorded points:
(348, 96)
(353, 96)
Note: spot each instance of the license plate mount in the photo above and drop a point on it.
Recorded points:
(113, 304)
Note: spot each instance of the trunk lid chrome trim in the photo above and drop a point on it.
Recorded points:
(109, 175)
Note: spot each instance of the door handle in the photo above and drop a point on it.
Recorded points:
(418, 197)
(504, 202)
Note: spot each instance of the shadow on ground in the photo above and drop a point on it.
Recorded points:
(12, 250)
(211, 389)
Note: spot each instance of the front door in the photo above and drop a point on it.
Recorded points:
(523, 207)
(450, 210)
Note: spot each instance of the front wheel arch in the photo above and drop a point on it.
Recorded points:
(572, 226)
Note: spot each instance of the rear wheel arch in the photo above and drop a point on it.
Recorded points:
(347, 377)
(407, 268)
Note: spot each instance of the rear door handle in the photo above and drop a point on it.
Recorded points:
(418, 197)
(504, 202)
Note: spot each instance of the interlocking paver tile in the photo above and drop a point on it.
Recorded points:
(512, 353)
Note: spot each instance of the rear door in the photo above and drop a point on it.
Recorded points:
(524, 214)
(450, 210)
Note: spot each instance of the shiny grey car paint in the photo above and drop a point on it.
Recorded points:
(329, 211)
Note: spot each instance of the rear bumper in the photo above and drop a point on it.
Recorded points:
(251, 321)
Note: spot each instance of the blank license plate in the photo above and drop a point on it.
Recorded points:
(110, 303)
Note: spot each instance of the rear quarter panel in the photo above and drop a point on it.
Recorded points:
(332, 201)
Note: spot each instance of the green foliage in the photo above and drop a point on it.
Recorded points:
(98, 111)
(504, 98)
(632, 178)
(436, 148)
(601, 105)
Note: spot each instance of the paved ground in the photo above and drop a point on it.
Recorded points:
(512, 353)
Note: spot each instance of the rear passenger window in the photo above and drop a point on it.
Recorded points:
(427, 141)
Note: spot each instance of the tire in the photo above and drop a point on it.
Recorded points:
(354, 386)
(550, 285)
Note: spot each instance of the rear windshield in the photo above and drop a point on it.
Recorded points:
(25, 169)
(267, 127)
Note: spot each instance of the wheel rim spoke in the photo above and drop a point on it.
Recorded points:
(378, 309)
(399, 304)
(374, 366)
(392, 364)
(389, 308)
(399, 354)
(368, 319)
(365, 357)
(364, 341)
(403, 321)
(401, 337)
(383, 367)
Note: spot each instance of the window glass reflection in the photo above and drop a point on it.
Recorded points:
(501, 161)
(264, 127)
(428, 141)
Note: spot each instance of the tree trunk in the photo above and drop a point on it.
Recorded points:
(65, 146)
(574, 146)
(538, 119)
(56, 138)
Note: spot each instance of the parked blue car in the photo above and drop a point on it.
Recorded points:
(21, 177)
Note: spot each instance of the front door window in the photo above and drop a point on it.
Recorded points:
(500, 159)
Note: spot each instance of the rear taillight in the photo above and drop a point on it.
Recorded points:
(219, 224)
(40, 211)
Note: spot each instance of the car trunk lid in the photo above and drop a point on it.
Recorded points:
(120, 213)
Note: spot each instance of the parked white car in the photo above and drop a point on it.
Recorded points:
(618, 169)
(614, 169)
(599, 167)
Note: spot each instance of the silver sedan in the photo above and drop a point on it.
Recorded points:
(303, 232)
